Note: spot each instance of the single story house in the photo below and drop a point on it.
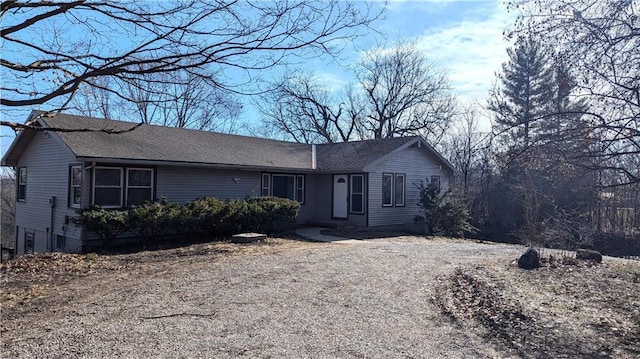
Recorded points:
(368, 183)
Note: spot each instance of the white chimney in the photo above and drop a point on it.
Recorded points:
(313, 156)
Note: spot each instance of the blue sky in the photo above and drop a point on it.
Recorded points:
(464, 37)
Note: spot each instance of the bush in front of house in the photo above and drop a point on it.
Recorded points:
(274, 215)
(152, 220)
(443, 212)
(209, 217)
(107, 224)
(203, 216)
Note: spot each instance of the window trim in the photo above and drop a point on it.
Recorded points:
(391, 175)
(266, 188)
(19, 184)
(352, 192)
(72, 186)
(127, 186)
(93, 185)
(404, 189)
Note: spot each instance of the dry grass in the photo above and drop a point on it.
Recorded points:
(558, 311)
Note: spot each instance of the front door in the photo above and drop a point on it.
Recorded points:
(340, 195)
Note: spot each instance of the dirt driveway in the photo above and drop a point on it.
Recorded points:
(286, 299)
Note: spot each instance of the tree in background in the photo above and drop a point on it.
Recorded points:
(399, 93)
(468, 149)
(183, 100)
(535, 105)
(7, 209)
(599, 41)
(52, 49)
(301, 109)
(523, 94)
(404, 94)
(595, 140)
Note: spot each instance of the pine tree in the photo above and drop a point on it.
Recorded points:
(524, 93)
(564, 119)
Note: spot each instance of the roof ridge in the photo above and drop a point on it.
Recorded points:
(170, 128)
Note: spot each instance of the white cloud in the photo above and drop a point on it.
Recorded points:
(472, 50)
(331, 81)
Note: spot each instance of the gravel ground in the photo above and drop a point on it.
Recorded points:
(350, 299)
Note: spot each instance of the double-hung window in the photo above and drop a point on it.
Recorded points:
(22, 184)
(393, 189)
(113, 186)
(75, 186)
(357, 194)
(284, 186)
(107, 186)
(139, 186)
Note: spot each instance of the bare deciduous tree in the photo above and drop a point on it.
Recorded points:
(404, 94)
(398, 92)
(7, 207)
(51, 49)
(301, 108)
(183, 101)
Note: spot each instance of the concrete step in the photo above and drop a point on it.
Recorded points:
(333, 224)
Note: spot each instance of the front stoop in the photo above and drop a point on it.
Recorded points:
(333, 224)
(247, 237)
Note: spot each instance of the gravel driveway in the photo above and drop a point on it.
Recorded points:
(351, 299)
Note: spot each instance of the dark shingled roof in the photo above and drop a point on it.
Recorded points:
(191, 147)
(167, 144)
(354, 156)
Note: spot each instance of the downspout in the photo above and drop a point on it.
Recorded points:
(313, 157)
(52, 201)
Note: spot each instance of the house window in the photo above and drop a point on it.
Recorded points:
(107, 187)
(398, 194)
(75, 186)
(139, 186)
(283, 186)
(28, 242)
(435, 182)
(22, 184)
(387, 188)
(357, 194)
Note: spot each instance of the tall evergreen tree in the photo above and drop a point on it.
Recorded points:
(524, 92)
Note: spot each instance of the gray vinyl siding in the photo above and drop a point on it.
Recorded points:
(417, 164)
(183, 184)
(308, 210)
(47, 162)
